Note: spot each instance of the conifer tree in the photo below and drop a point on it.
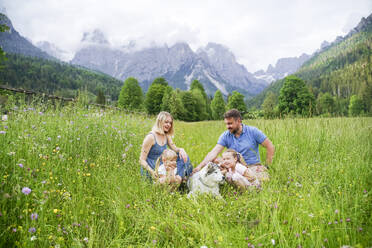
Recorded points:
(131, 96)
(218, 106)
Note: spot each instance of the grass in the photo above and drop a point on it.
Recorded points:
(82, 167)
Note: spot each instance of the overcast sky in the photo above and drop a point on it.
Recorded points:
(257, 32)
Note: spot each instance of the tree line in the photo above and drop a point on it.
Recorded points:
(339, 81)
(189, 105)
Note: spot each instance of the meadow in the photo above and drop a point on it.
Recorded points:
(70, 178)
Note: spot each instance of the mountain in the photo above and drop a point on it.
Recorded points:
(13, 42)
(341, 68)
(282, 68)
(53, 50)
(214, 65)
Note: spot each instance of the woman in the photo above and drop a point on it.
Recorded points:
(156, 142)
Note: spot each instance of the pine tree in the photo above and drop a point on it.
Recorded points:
(131, 96)
(236, 101)
(269, 104)
(218, 106)
(101, 99)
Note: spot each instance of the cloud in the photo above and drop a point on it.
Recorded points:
(258, 33)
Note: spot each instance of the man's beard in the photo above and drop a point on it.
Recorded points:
(234, 131)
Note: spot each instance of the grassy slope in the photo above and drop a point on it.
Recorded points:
(87, 191)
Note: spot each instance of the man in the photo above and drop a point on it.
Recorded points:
(243, 139)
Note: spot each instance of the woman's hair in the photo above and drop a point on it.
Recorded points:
(158, 126)
(236, 155)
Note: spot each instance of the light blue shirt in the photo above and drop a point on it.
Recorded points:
(247, 143)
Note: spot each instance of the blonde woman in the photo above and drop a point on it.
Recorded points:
(156, 142)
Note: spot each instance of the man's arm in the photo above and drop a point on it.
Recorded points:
(270, 150)
(210, 156)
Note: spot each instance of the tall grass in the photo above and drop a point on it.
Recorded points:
(82, 168)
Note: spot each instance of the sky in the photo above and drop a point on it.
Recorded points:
(257, 32)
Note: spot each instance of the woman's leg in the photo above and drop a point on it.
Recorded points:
(184, 169)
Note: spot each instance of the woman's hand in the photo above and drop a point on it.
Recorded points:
(183, 154)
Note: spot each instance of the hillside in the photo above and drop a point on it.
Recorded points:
(341, 69)
(54, 77)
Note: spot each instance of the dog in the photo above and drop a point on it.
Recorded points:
(207, 180)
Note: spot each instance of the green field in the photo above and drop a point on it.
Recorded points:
(86, 190)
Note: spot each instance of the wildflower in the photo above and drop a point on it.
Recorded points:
(273, 241)
(311, 215)
(26, 190)
(86, 240)
(34, 216)
(20, 165)
(365, 191)
(303, 232)
(297, 235)
(43, 182)
(33, 238)
(59, 136)
(360, 229)
(55, 210)
(49, 139)
(336, 222)
(154, 241)
(325, 240)
(32, 230)
(14, 229)
(2, 132)
(127, 206)
(348, 220)
(336, 211)
(153, 228)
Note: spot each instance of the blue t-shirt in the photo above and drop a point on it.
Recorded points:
(247, 143)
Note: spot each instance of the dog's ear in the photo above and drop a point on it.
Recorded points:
(211, 169)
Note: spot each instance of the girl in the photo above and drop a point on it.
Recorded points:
(168, 170)
(236, 172)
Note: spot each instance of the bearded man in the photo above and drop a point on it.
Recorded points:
(242, 138)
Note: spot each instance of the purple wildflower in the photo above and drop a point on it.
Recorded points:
(26, 190)
(86, 240)
(336, 211)
(297, 235)
(348, 220)
(127, 206)
(365, 191)
(32, 230)
(154, 241)
(14, 229)
(2, 132)
(34, 216)
(360, 229)
(20, 165)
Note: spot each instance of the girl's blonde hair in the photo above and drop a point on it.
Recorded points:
(158, 126)
(236, 155)
(167, 154)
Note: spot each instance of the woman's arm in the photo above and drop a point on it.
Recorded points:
(180, 151)
(148, 142)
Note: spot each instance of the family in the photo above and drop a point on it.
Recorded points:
(165, 163)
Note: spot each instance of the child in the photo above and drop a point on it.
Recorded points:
(236, 172)
(168, 170)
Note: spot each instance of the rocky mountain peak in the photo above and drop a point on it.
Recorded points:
(95, 37)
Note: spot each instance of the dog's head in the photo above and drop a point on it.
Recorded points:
(211, 175)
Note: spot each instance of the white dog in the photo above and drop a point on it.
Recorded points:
(207, 180)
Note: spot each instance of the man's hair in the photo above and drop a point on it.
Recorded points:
(232, 113)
